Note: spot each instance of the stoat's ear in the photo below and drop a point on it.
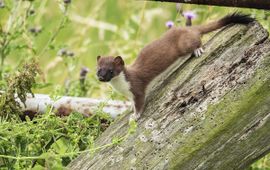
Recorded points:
(119, 61)
(98, 57)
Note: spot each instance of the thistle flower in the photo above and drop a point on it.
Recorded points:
(35, 30)
(189, 15)
(66, 53)
(62, 52)
(83, 73)
(169, 24)
(70, 53)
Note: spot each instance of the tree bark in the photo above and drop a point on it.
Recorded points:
(211, 112)
(258, 4)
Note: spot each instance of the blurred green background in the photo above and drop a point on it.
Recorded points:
(101, 27)
(96, 27)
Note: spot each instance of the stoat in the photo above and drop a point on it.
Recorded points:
(156, 57)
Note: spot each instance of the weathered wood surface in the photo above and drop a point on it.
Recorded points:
(257, 4)
(211, 112)
(66, 104)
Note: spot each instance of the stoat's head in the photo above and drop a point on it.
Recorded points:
(109, 67)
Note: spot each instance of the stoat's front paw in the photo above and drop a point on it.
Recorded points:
(134, 117)
(198, 52)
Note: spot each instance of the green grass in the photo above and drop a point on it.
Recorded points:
(89, 29)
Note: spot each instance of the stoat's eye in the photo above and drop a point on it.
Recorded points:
(111, 71)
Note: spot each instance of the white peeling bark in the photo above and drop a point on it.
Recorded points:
(65, 105)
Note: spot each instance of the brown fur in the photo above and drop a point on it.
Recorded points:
(157, 56)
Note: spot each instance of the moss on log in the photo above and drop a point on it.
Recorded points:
(211, 112)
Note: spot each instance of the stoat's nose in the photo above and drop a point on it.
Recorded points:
(101, 78)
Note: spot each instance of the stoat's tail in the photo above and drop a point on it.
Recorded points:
(234, 18)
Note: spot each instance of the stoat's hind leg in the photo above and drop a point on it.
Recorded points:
(198, 52)
(134, 116)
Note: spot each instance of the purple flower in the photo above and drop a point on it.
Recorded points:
(169, 24)
(83, 72)
(189, 15)
(62, 52)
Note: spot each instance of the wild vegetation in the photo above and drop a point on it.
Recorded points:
(51, 47)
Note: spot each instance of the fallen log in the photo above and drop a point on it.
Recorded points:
(211, 112)
(257, 4)
(65, 105)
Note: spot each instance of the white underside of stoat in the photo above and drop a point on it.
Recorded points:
(120, 84)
